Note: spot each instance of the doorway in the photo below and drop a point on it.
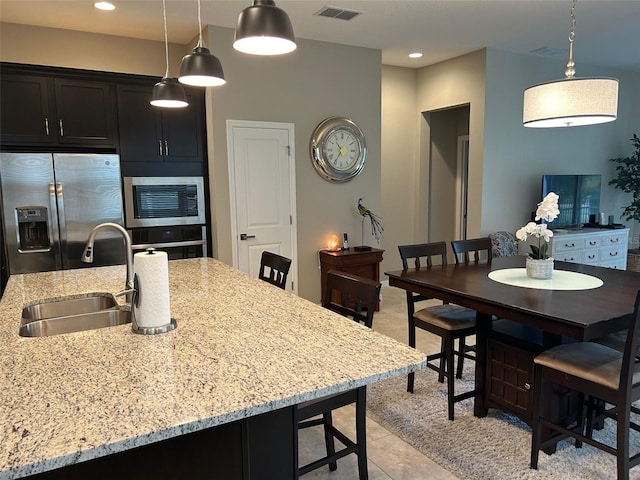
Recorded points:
(262, 194)
(448, 181)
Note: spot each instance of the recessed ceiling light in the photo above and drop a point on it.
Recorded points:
(104, 5)
(415, 55)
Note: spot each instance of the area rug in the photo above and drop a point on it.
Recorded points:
(496, 447)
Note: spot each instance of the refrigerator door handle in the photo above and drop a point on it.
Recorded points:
(61, 219)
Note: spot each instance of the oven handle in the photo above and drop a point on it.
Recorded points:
(144, 246)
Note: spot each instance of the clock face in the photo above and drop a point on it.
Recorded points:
(341, 150)
(338, 149)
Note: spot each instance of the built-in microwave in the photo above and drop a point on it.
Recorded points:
(163, 201)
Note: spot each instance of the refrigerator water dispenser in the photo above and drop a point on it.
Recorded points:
(33, 229)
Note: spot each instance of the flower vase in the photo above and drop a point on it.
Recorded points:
(539, 269)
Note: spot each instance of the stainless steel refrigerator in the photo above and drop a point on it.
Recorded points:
(50, 203)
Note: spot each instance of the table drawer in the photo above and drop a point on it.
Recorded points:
(593, 242)
(570, 256)
(619, 264)
(592, 257)
(614, 239)
(568, 244)
(612, 254)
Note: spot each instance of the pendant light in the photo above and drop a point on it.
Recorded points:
(571, 101)
(264, 29)
(168, 93)
(200, 68)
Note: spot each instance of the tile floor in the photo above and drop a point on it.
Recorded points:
(389, 457)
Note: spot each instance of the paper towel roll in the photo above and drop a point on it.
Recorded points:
(152, 269)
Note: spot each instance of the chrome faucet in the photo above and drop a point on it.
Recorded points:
(87, 255)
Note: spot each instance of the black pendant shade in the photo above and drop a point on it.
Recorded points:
(264, 29)
(202, 69)
(168, 93)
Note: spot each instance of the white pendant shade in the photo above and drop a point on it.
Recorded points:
(263, 45)
(571, 102)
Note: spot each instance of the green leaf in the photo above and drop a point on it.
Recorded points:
(535, 252)
(543, 251)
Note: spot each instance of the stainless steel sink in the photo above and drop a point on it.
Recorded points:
(75, 314)
(69, 306)
(74, 323)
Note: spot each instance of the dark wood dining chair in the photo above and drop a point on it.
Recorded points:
(274, 269)
(603, 376)
(449, 322)
(477, 248)
(358, 297)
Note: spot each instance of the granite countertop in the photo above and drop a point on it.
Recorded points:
(242, 347)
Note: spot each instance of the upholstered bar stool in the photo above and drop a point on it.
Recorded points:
(357, 299)
(603, 376)
(449, 322)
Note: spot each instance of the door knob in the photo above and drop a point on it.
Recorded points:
(244, 236)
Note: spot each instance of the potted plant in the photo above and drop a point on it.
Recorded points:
(628, 180)
(539, 264)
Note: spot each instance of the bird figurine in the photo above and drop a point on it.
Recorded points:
(376, 226)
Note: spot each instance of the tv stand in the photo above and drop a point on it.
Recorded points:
(593, 246)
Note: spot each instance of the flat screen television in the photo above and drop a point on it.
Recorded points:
(579, 197)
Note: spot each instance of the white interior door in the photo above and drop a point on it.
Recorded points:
(262, 187)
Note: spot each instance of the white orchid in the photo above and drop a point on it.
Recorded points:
(548, 211)
(548, 208)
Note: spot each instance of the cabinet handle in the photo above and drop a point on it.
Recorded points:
(569, 245)
(166, 147)
(160, 147)
(591, 257)
(46, 126)
(613, 254)
(527, 386)
(61, 128)
(592, 242)
(614, 240)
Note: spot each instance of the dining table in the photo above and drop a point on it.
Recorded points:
(579, 303)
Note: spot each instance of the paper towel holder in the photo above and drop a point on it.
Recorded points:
(135, 301)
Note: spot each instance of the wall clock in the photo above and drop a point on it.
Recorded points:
(338, 149)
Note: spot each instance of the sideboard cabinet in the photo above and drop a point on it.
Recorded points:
(593, 246)
(362, 263)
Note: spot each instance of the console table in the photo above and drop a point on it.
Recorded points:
(363, 263)
(592, 246)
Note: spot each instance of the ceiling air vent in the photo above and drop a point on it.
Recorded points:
(548, 51)
(334, 12)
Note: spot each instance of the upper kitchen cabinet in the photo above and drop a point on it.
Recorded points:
(55, 112)
(172, 138)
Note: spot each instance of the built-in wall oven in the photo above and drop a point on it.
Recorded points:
(167, 213)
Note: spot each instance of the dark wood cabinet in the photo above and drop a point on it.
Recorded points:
(85, 113)
(150, 134)
(52, 109)
(26, 113)
(511, 348)
(49, 111)
(362, 263)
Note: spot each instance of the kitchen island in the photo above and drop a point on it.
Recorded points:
(215, 395)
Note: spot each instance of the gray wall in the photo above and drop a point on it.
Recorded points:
(507, 160)
(316, 81)
(522, 155)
